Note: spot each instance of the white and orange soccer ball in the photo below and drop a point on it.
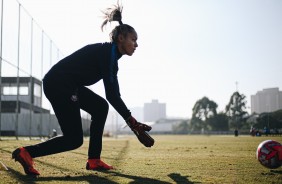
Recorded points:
(269, 154)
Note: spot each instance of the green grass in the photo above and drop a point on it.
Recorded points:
(173, 159)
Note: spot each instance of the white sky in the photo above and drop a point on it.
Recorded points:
(188, 49)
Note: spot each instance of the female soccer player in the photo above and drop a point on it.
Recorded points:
(64, 86)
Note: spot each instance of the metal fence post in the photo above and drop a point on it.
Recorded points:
(42, 60)
(20, 25)
(1, 43)
(18, 77)
(31, 86)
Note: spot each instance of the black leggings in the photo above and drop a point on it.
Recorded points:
(67, 104)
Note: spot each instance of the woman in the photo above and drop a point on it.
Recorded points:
(64, 86)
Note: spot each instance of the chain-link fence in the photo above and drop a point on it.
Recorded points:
(26, 54)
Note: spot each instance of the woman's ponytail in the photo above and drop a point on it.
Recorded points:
(112, 14)
(115, 14)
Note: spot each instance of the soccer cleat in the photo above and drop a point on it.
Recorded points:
(97, 164)
(23, 157)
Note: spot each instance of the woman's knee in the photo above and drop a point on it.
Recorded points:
(79, 142)
(73, 141)
(76, 142)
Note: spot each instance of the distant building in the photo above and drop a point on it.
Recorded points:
(162, 126)
(29, 99)
(165, 126)
(154, 111)
(267, 100)
(23, 114)
(137, 113)
(115, 122)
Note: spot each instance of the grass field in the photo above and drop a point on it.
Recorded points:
(173, 159)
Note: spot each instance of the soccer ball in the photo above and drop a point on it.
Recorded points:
(269, 154)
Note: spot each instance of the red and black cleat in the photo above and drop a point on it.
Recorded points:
(97, 164)
(24, 158)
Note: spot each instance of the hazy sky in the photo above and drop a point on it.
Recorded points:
(188, 49)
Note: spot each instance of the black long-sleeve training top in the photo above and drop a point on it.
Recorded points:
(87, 66)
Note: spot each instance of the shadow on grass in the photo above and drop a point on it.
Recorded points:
(181, 179)
(275, 171)
(88, 178)
(272, 172)
(93, 178)
(42, 162)
(32, 180)
(6, 151)
(20, 177)
(136, 179)
(82, 177)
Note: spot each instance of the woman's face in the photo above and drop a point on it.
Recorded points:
(128, 44)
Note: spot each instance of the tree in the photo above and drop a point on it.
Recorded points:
(278, 115)
(203, 111)
(219, 122)
(236, 110)
(182, 128)
(271, 120)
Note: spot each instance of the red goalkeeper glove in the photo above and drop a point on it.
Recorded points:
(139, 130)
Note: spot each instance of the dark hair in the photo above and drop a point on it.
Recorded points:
(115, 14)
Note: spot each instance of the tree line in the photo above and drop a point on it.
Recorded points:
(205, 117)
